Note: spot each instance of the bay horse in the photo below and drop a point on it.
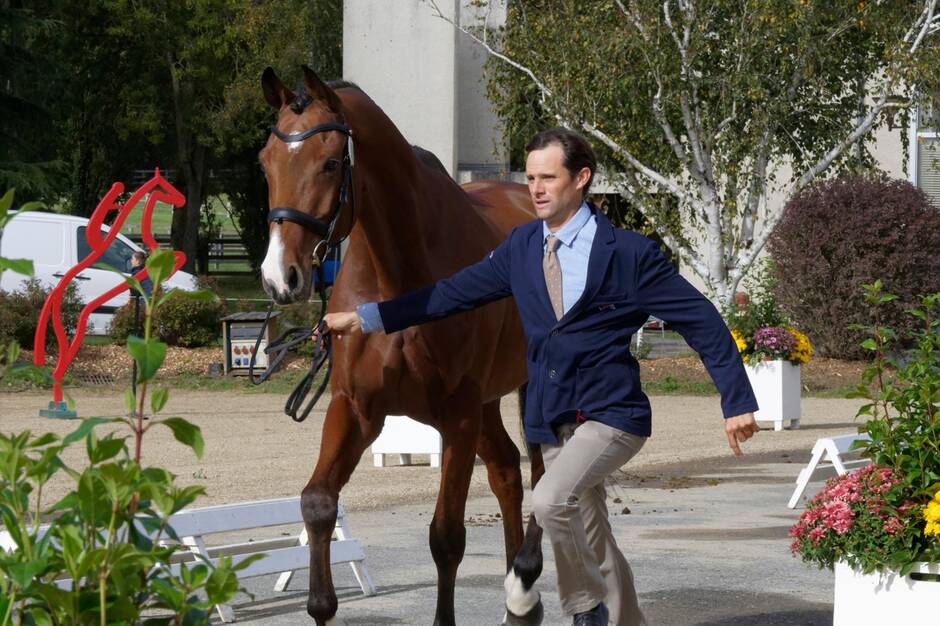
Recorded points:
(336, 165)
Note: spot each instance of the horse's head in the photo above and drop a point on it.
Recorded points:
(308, 165)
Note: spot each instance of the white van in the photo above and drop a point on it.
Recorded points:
(56, 243)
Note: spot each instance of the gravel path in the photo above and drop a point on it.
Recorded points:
(253, 451)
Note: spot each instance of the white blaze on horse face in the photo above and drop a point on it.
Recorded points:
(294, 146)
(272, 268)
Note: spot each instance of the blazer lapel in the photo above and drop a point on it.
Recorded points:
(602, 251)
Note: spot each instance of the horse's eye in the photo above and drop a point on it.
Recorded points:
(331, 165)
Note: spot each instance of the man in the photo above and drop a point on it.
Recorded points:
(583, 288)
(138, 263)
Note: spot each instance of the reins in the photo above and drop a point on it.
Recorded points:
(294, 336)
(323, 352)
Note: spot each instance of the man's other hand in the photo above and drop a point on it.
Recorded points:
(740, 428)
(339, 323)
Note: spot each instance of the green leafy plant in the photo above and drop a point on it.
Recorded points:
(887, 516)
(102, 553)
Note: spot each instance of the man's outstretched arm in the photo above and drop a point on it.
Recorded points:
(472, 287)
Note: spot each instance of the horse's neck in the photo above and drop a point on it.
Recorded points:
(395, 227)
(391, 235)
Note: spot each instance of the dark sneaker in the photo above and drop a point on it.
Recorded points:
(598, 616)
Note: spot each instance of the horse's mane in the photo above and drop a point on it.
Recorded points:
(302, 100)
(430, 159)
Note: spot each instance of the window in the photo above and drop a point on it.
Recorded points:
(925, 151)
(117, 256)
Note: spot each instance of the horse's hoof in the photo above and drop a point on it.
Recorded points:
(532, 618)
(519, 599)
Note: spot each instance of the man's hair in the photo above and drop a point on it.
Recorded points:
(139, 256)
(577, 152)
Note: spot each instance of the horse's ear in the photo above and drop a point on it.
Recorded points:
(275, 92)
(320, 90)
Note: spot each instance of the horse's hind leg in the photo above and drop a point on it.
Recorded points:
(502, 467)
(341, 447)
(460, 427)
(522, 600)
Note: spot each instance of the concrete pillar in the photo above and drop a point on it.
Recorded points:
(405, 59)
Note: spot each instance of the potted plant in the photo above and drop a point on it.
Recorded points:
(879, 527)
(772, 351)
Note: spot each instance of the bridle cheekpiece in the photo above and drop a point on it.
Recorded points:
(320, 227)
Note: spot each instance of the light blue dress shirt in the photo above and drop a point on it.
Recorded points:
(574, 250)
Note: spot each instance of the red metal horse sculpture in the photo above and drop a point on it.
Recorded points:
(409, 224)
(159, 190)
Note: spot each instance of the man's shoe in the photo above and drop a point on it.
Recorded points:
(598, 616)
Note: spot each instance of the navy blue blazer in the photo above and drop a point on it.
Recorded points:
(581, 366)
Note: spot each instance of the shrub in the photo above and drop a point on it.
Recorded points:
(19, 313)
(179, 321)
(189, 323)
(845, 232)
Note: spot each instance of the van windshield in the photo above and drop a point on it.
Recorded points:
(118, 254)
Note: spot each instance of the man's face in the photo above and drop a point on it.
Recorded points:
(555, 193)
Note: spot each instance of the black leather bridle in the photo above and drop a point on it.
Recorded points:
(323, 353)
(320, 227)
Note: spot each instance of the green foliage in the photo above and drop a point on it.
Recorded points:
(903, 408)
(692, 106)
(27, 142)
(107, 533)
(761, 309)
(173, 83)
(188, 319)
(19, 313)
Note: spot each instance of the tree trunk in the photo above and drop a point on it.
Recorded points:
(191, 158)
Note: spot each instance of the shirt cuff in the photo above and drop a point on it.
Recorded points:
(370, 320)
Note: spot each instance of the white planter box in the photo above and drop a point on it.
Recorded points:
(777, 387)
(884, 599)
(404, 436)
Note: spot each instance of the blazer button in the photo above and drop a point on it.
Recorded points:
(552, 373)
(554, 333)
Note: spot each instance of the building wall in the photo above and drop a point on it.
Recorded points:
(405, 59)
(479, 133)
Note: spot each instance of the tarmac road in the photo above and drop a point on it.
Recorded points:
(705, 554)
(706, 535)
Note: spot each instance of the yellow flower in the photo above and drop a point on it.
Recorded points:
(739, 340)
(803, 350)
(932, 516)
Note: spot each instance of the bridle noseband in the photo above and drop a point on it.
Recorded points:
(322, 228)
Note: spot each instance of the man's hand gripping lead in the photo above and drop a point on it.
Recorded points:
(339, 323)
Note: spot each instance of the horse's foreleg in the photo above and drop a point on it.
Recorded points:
(522, 600)
(341, 447)
(502, 467)
(460, 427)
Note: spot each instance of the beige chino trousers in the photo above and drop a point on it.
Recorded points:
(569, 502)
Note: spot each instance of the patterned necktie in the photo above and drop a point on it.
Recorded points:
(552, 271)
